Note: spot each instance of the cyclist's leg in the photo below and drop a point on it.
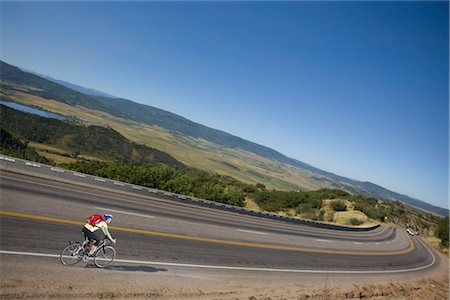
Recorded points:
(94, 246)
(93, 238)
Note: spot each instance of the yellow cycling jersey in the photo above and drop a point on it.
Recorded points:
(101, 225)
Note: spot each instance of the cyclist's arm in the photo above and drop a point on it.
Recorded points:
(106, 231)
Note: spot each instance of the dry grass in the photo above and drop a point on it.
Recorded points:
(59, 159)
(45, 147)
(251, 204)
(344, 217)
(56, 154)
(436, 244)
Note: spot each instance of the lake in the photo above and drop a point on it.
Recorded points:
(32, 110)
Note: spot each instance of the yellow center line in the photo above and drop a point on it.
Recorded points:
(210, 240)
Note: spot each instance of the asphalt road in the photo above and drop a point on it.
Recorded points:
(151, 228)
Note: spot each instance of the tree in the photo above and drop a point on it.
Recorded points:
(180, 184)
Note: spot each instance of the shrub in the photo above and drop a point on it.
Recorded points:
(313, 214)
(260, 186)
(443, 231)
(339, 206)
(356, 222)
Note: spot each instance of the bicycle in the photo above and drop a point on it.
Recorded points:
(76, 251)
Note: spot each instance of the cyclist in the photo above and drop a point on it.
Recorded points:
(89, 231)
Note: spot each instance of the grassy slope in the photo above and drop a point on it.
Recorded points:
(201, 154)
(58, 155)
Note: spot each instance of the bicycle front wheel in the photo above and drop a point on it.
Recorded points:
(70, 255)
(104, 256)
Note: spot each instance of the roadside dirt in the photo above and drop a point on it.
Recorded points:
(43, 278)
(16, 288)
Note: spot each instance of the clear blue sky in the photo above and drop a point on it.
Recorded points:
(356, 88)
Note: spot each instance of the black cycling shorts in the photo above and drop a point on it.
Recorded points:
(91, 236)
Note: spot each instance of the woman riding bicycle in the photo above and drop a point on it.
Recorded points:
(94, 223)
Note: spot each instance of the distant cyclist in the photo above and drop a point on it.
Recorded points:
(94, 223)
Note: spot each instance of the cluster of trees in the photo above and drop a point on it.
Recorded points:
(301, 201)
(186, 181)
(307, 204)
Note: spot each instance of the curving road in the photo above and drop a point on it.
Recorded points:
(42, 209)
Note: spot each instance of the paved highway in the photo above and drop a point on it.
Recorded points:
(41, 213)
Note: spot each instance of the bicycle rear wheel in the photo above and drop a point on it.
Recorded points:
(70, 255)
(104, 256)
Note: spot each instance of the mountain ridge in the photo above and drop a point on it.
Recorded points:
(73, 86)
(178, 124)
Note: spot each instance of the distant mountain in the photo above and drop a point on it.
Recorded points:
(75, 87)
(182, 126)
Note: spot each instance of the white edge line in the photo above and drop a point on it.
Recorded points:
(325, 241)
(119, 183)
(57, 170)
(125, 212)
(238, 268)
(79, 175)
(32, 165)
(250, 231)
(100, 179)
